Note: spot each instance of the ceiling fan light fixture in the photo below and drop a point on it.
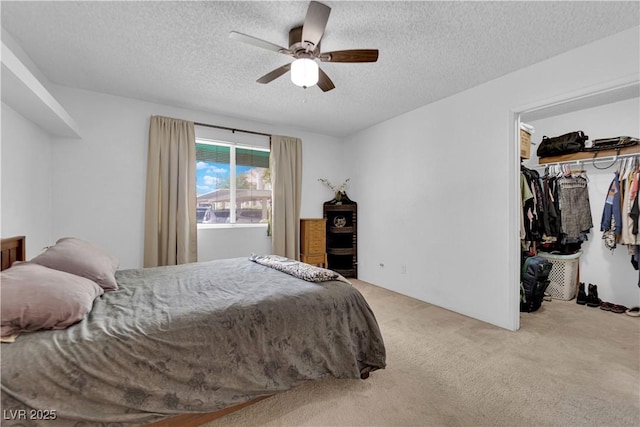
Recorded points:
(304, 72)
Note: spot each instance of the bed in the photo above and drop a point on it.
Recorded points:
(181, 345)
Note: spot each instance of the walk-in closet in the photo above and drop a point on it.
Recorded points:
(609, 265)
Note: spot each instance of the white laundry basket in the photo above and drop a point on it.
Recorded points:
(564, 275)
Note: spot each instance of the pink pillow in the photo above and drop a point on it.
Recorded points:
(33, 297)
(83, 259)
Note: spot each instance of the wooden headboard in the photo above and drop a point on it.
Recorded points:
(13, 249)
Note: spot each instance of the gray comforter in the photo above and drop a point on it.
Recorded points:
(191, 338)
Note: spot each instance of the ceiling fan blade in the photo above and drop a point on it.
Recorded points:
(234, 35)
(274, 74)
(353, 55)
(315, 23)
(324, 82)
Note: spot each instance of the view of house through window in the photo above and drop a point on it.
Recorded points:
(233, 183)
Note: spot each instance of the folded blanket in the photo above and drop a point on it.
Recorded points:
(297, 269)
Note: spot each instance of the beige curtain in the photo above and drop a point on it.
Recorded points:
(170, 232)
(285, 162)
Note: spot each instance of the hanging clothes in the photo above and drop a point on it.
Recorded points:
(629, 193)
(551, 218)
(621, 213)
(634, 211)
(612, 212)
(635, 260)
(556, 215)
(531, 192)
(526, 195)
(532, 204)
(575, 209)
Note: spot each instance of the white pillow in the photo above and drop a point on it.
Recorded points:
(33, 297)
(83, 259)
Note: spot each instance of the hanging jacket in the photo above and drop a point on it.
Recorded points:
(612, 207)
(532, 206)
(634, 212)
(552, 225)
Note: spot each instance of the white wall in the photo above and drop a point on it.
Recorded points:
(26, 202)
(437, 186)
(612, 272)
(99, 181)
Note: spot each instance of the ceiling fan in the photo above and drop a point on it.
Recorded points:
(304, 46)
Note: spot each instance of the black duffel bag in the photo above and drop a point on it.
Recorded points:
(568, 143)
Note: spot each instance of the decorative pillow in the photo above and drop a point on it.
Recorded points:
(297, 269)
(33, 297)
(83, 259)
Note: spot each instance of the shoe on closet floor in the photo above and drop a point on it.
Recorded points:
(547, 296)
(582, 296)
(618, 309)
(633, 311)
(606, 306)
(592, 297)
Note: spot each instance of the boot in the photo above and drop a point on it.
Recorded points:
(582, 295)
(592, 298)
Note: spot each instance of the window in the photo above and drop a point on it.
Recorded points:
(233, 183)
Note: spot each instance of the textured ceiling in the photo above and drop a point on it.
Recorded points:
(179, 53)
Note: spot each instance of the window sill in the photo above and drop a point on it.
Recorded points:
(213, 226)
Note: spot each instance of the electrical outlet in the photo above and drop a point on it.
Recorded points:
(403, 269)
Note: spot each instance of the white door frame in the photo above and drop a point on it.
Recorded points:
(606, 92)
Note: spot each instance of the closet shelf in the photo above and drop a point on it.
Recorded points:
(589, 155)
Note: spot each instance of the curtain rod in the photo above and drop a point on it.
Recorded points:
(231, 129)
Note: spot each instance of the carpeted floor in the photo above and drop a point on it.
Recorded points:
(569, 365)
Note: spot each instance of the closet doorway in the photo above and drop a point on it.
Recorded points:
(607, 111)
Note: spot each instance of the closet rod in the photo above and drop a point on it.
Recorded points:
(592, 160)
(232, 129)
